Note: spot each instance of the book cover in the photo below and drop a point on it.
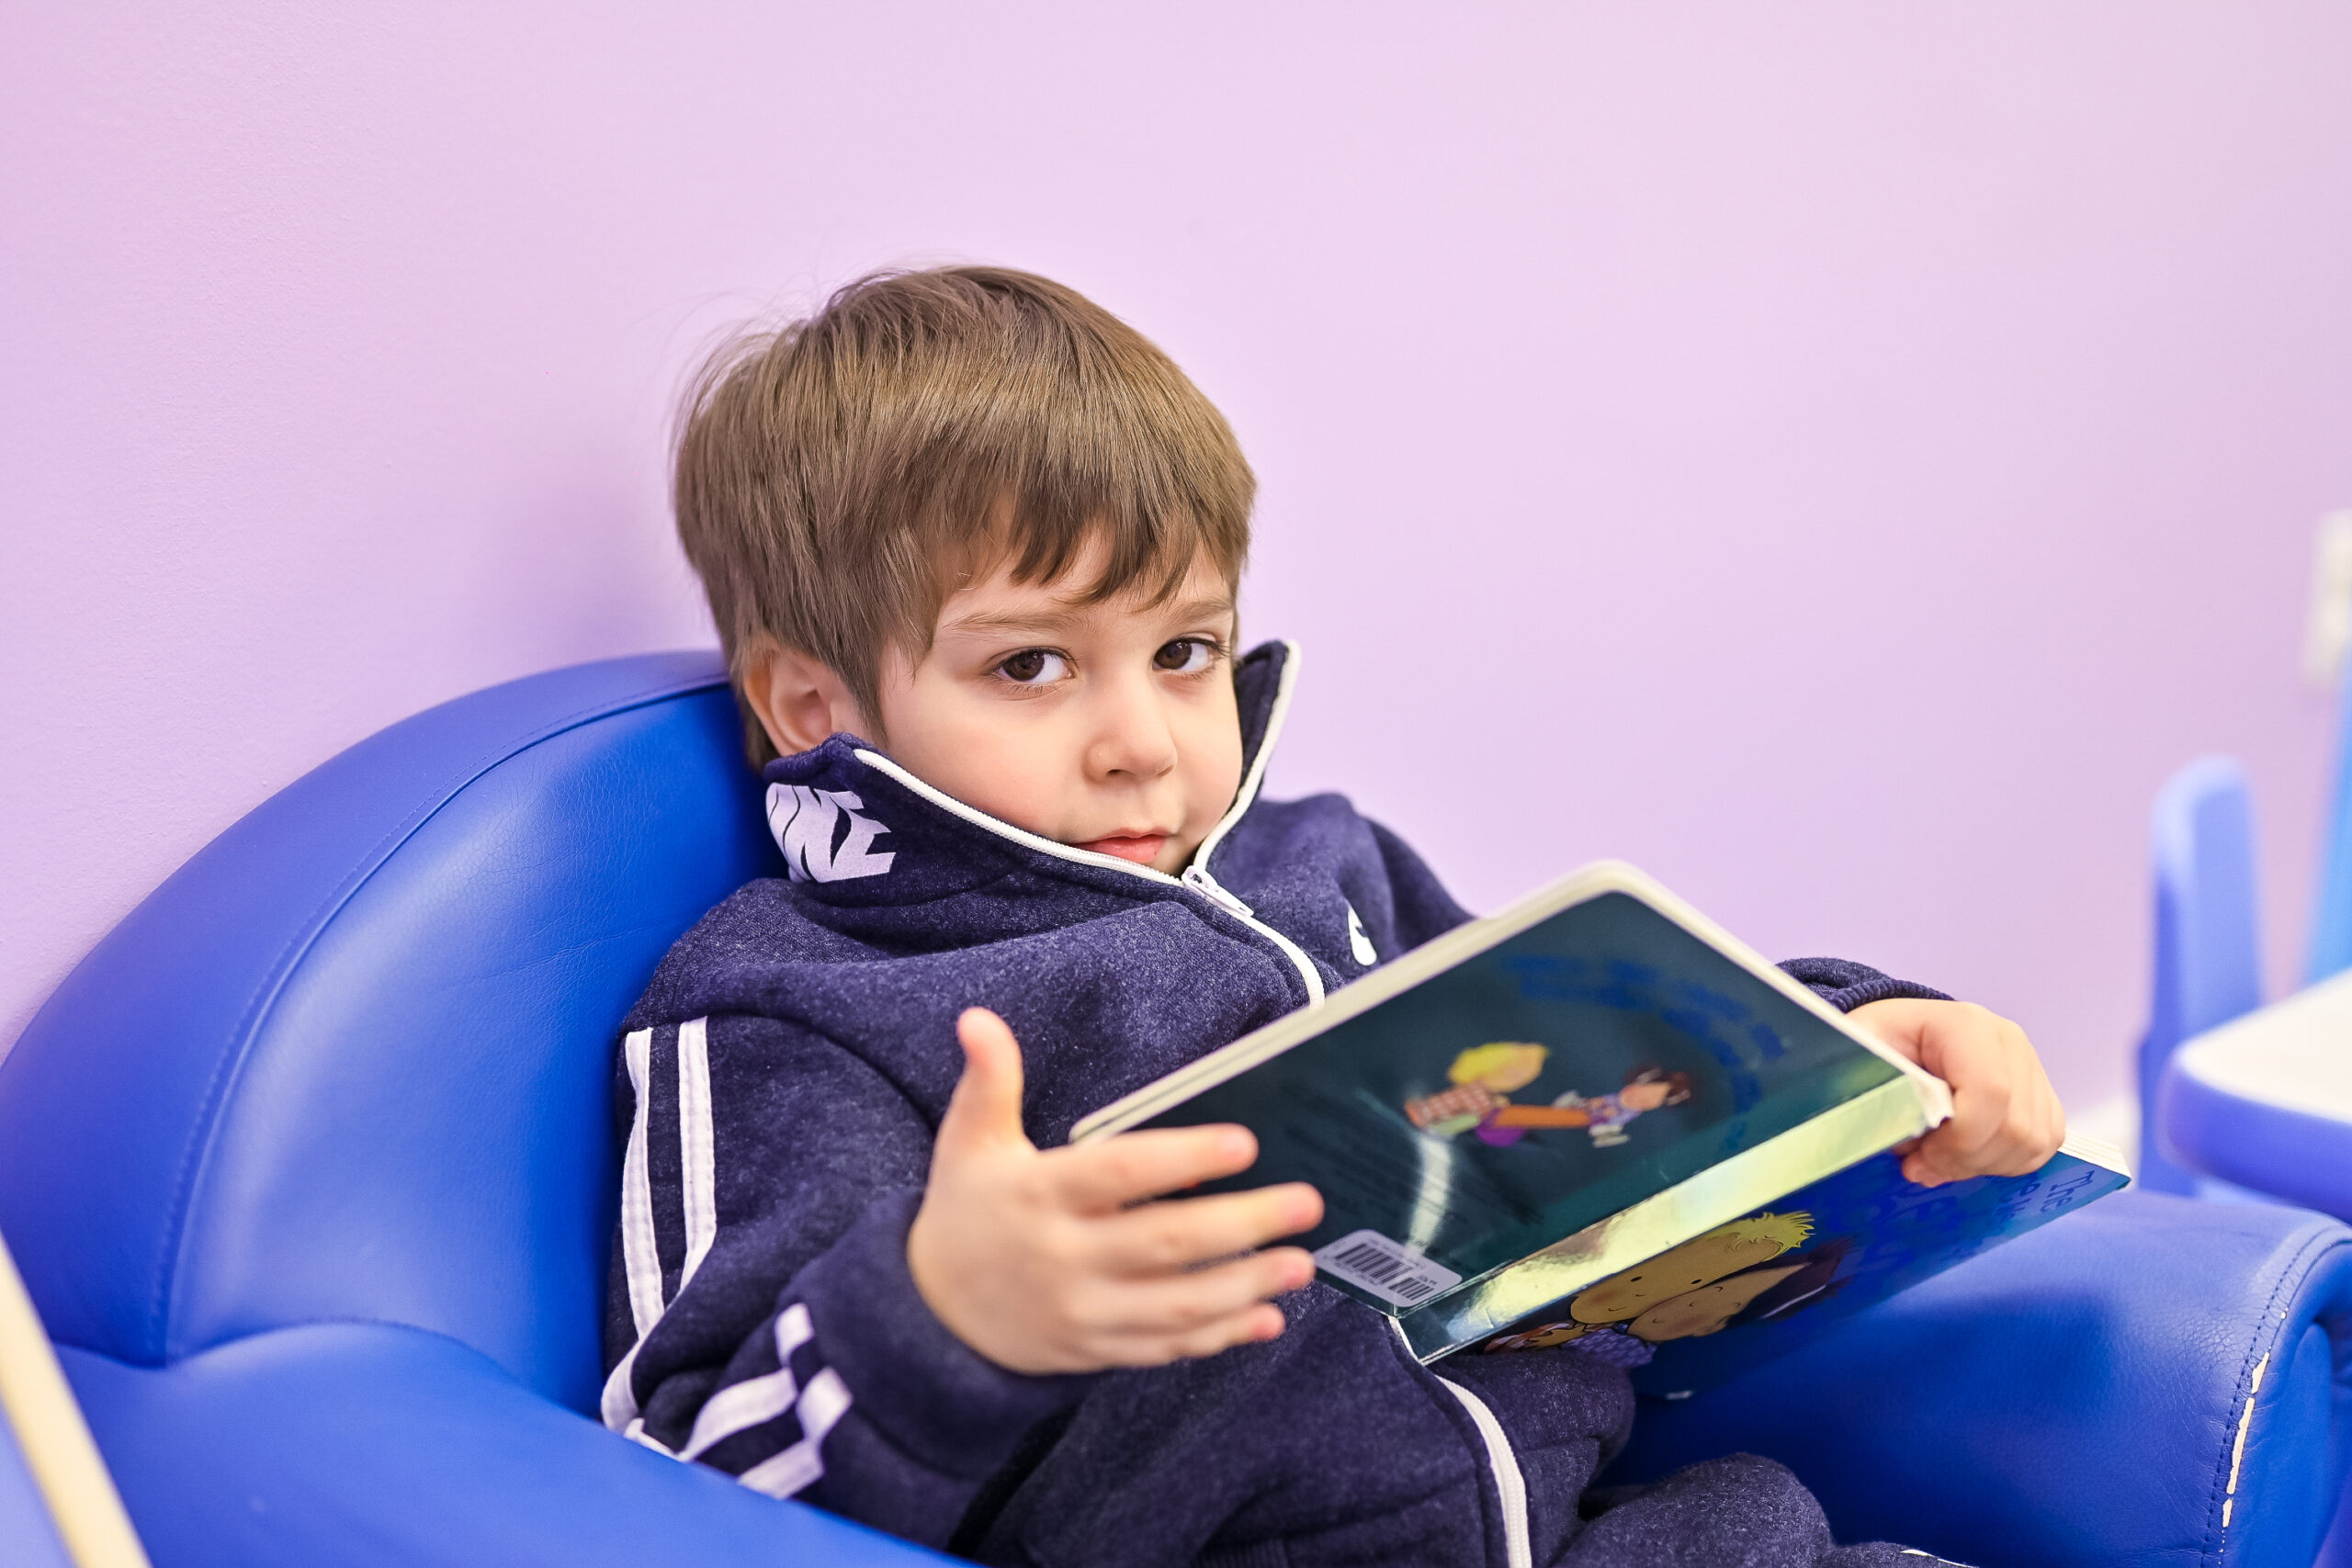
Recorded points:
(1762, 1284)
(1531, 1103)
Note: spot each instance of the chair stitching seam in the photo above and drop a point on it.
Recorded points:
(2290, 1276)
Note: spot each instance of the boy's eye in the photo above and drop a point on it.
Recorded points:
(1185, 656)
(1033, 666)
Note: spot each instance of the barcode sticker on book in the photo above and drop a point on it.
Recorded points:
(1389, 1269)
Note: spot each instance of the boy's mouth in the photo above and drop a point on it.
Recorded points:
(1141, 848)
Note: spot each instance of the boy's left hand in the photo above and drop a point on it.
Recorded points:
(2006, 1119)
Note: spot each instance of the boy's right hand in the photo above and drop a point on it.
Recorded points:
(1056, 1260)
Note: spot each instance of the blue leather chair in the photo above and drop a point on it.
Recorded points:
(29, 1535)
(308, 1168)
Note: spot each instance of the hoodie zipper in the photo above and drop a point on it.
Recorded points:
(1196, 876)
(1510, 1484)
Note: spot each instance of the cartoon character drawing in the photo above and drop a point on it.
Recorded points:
(1710, 1308)
(1695, 1289)
(1756, 1294)
(1821, 1275)
(1543, 1337)
(1697, 1263)
(1484, 1076)
(1603, 1115)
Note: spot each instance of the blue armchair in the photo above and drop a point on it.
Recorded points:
(308, 1167)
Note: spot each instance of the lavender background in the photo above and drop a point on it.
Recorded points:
(1840, 456)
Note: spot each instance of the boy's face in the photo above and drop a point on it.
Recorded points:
(1111, 727)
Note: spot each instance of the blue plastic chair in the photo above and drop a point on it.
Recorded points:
(2331, 950)
(308, 1168)
(2209, 939)
(2208, 973)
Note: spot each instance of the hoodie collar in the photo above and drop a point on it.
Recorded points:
(867, 831)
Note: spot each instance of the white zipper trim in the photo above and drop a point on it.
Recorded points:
(1283, 685)
(1511, 1487)
(1196, 874)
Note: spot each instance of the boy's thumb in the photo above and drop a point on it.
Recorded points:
(986, 1107)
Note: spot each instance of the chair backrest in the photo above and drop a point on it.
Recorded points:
(2332, 904)
(353, 1059)
(2209, 944)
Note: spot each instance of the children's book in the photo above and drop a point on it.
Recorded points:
(1597, 1120)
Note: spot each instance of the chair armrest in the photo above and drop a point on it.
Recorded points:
(2076, 1396)
(365, 1444)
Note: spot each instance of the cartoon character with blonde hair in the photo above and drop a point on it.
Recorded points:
(1686, 1292)
(1484, 1076)
(1696, 1264)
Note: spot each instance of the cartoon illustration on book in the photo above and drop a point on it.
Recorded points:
(1484, 1076)
(1733, 1274)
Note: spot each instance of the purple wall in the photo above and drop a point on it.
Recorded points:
(1841, 458)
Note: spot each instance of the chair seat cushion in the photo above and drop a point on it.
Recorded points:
(366, 1444)
(2078, 1397)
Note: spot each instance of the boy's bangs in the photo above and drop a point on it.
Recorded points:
(1146, 557)
(1068, 495)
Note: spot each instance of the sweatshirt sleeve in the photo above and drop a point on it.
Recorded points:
(760, 1317)
(1846, 985)
(1424, 908)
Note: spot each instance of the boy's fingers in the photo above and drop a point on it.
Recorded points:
(2006, 1118)
(1159, 1238)
(2018, 1142)
(1184, 1303)
(1135, 1166)
(1261, 1322)
(985, 1110)
(1959, 1143)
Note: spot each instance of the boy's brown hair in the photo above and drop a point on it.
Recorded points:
(836, 479)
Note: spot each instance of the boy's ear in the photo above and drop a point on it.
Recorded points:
(799, 701)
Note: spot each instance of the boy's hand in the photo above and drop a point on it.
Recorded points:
(2005, 1120)
(1055, 1261)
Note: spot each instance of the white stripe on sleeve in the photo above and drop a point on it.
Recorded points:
(741, 1406)
(794, 1328)
(618, 1407)
(639, 1255)
(784, 1473)
(696, 1153)
(796, 1467)
(826, 1401)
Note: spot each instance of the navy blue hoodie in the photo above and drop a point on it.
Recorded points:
(779, 1086)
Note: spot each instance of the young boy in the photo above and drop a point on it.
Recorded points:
(973, 546)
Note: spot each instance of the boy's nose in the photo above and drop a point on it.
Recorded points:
(1133, 737)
